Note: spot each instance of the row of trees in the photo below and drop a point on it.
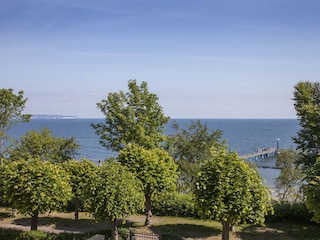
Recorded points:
(194, 160)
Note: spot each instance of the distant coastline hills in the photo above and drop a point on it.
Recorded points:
(51, 116)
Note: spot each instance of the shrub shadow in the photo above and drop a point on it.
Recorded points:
(182, 231)
(4, 215)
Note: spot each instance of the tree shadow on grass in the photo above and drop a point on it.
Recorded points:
(281, 231)
(261, 233)
(182, 231)
(59, 223)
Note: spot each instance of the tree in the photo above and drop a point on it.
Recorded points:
(307, 105)
(45, 146)
(291, 176)
(228, 190)
(312, 192)
(153, 167)
(11, 108)
(132, 117)
(34, 187)
(189, 147)
(112, 194)
(80, 172)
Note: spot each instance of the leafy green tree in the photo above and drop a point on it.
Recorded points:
(80, 172)
(112, 194)
(290, 179)
(191, 146)
(11, 108)
(45, 146)
(228, 190)
(312, 192)
(153, 167)
(307, 105)
(133, 117)
(34, 187)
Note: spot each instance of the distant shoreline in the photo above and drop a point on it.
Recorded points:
(52, 116)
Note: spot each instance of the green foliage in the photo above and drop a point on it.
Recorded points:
(41, 235)
(35, 235)
(312, 192)
(132, 117)
(173, 204)
(290, 179)
(295, 212)
(80, 172)
(154, 168)
(44, 146)
(34, 186)
(228, 190)
(307, 105)
(9, 234)
(113, 193)
(11, 108)
(189, 147)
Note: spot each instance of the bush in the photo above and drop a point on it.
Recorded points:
(173, 204)
(290, 212)
(35, 235)
(9, 234)
(41, 235)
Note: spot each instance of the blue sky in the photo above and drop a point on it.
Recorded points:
(203, 58)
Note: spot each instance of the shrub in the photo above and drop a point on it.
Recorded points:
(173, 204)
(290, 212)
(35, 235)
(9, 233)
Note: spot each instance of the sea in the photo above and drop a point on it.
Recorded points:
(244, 136)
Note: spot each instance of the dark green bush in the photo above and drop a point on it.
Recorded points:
(36, 235)
(9, 234)
(173, 204)
(13, 234)
(290, 212)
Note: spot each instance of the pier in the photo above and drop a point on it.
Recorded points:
(261, 154)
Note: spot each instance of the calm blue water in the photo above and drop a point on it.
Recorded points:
(242, 135)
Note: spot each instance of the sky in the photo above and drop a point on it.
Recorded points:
(202, 58)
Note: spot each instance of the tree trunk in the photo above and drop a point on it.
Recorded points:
(114, 230)
(76, 210)
(14, 212)
(34, 221)
(148, 212)
(225, 230)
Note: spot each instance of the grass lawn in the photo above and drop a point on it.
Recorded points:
(169, 227)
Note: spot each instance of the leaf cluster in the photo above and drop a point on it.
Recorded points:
(229, 190)
(80, 172)
(291, 176)
(11, 108)
(134, 117)
(307, 106)
(154, 167)
(189, 147)
(113, 192)
(34, 186)
(45, 146)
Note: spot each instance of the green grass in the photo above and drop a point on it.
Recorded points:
(173, 228)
